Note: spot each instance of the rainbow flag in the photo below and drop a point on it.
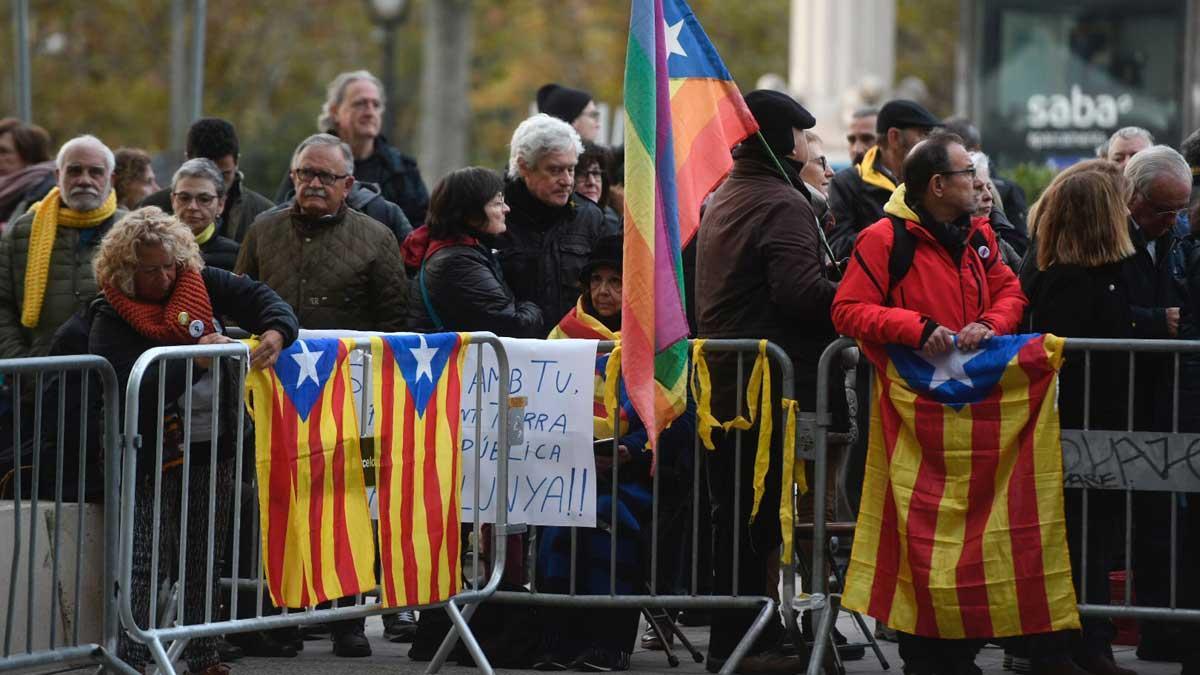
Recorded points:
(418, 386)
(961, 531)
(683, 114)
(315, 523)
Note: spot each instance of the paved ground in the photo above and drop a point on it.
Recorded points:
(392, 659)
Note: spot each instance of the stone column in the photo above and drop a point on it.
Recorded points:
(841, 55)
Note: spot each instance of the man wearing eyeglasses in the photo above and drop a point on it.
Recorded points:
(955, 286)
(336, 267)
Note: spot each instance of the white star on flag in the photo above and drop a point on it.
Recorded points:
(308, 364)
(673, 45)
(950, 366)
(424, 356)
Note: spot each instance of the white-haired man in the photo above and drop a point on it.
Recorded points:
(550, 231)
(46, 254)
(353, 111)
(1125, 143)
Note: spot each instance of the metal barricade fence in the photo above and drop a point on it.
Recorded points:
(69, 616)
(656, 597)
(178, 612)
(1098, 464)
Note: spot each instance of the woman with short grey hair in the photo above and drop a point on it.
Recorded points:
(198, 200)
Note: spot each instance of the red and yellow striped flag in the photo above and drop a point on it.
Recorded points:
(961, 532)
(316, 526)
(418, 385)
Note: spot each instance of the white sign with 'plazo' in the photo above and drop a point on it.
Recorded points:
(552, 471)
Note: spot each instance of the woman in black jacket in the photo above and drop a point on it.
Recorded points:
(459, 284)
(157, 291)
(1082, 232)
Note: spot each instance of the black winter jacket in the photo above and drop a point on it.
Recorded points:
(1092, 302)
(235, 299)
(1154, 285)
(242, 206)
(396, 175)
(465, 286)
(545, 248)
(220, 252)
(856, 205)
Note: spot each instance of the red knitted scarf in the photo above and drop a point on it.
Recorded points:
(183, 318)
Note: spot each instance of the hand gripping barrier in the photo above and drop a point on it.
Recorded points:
(656, 597)
(179, 609)
(1121, 473)
(67, 618)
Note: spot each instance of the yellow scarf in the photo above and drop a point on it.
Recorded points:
(49, 214)
(870, 176)
(206, 234)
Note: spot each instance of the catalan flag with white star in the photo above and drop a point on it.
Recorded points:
(317, 541)
(961, 532)
(418, 386)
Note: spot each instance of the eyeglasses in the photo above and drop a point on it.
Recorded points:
(326, 178)
(823, 161)
(968, 170)
(202, 199)
(1172, 213)
(595, 174)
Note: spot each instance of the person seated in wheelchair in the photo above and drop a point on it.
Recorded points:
(602, 639)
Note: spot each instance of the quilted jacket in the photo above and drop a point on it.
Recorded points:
(343, 272)
(70, 288)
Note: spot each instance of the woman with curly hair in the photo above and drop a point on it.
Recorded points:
(156, 291)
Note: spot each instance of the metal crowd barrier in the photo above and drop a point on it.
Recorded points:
(655, 597)
(1096, 463)
(77, 626)
(166, 631)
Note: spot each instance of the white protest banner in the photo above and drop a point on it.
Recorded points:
(551, 474)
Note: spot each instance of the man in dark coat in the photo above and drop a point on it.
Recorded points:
(353, 111)
(760, 273)
(216, 139)
(858, 193)
(551, 230)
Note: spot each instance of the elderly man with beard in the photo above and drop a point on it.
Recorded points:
(46, 254)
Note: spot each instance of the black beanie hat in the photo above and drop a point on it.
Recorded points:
(607, 252)
(777, 114)
(562, 102)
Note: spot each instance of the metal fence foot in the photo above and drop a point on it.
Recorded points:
(109, 663)
(443, 652)
(824, 623)
(160, 657)
(756, 628)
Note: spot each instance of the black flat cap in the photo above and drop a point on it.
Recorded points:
(562, 102)
(902, 114)
(777, 114)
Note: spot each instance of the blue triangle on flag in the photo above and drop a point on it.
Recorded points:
(689, 51)
(421, 360)
(303, 369)
(957, 378)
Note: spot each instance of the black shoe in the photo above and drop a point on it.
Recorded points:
(352, 644)
(602, 660)
(400, 627)
(1191, 664)
(692, 618)
(227, 651)
(1160, 644)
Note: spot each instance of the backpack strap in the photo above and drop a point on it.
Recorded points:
(900, 259)
(433, 315)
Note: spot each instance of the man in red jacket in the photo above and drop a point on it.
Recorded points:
(953, 285)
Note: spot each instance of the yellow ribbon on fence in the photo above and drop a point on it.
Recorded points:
(793, 474)
(701, 384)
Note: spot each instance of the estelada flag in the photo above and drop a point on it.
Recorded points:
(316, 525)
(683, 114)
(961, 531)
(418, 388)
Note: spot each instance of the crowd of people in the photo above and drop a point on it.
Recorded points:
(96, 258)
